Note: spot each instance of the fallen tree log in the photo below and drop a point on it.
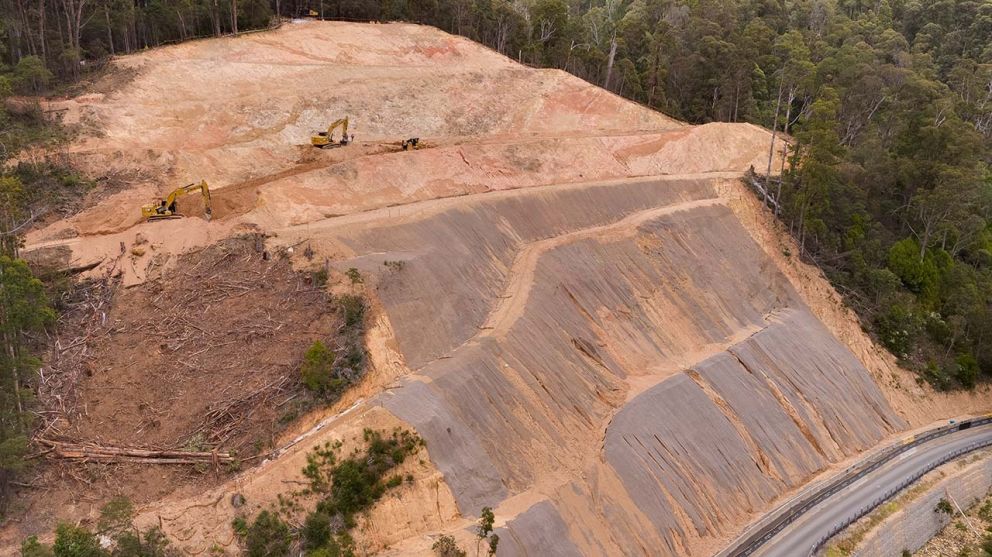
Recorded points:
(90, 451)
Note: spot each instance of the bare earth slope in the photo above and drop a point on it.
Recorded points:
(575, 303)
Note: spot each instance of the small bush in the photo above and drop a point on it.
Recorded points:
(493, 544)
(33, 548)
(152, 543)
(316, 530)
(268, 536)
(937, 376)
(115, 516)
(944, 506)
(353, 309)
(985, 512)
(354, 275)
(317, 369)
(73, 541)
(966, 370)
(897, 326)
(240, 526)
(445, 546)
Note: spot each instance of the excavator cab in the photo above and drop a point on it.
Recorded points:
(326, 139)
(166, 208)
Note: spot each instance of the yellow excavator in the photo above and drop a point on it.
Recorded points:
(411, 144)
(166, 208)
(326, 139)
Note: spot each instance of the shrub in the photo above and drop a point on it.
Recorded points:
(355, 276)
(152, 543)
(240, 526)
(445, 546)
(985, 512)
(268, 536)
(944, 506)
(73, 541)
(316, 530)
(31, 75)
(966, 370)
(31, 547)
(353, 308)
(920, 276)
(317, 370)
(493, 544)
(897, 326)
(937, 376)
(115, 516)
(394, 266)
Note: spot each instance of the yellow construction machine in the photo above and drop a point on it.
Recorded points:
(326, 139)
(166, 208)
(410, 144)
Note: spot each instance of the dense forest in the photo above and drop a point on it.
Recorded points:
(888, 104)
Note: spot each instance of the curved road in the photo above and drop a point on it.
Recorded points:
(798, 539)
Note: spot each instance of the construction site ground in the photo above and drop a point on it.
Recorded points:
(597, 328)
(203, 357)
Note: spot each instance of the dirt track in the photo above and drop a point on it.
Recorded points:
(593, 325)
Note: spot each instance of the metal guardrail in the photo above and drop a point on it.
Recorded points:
(752, 542)
(891, 492)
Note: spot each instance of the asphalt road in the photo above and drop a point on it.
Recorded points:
(797, 539)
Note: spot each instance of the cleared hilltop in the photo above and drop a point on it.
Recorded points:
(573, 299)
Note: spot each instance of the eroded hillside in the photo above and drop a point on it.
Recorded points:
(573, 299)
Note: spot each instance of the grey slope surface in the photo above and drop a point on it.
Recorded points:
(624, 352)
(797, 540)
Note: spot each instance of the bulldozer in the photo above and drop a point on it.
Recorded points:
(166, 208)
(326, 139)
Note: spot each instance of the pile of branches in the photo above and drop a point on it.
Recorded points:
(83, 310)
